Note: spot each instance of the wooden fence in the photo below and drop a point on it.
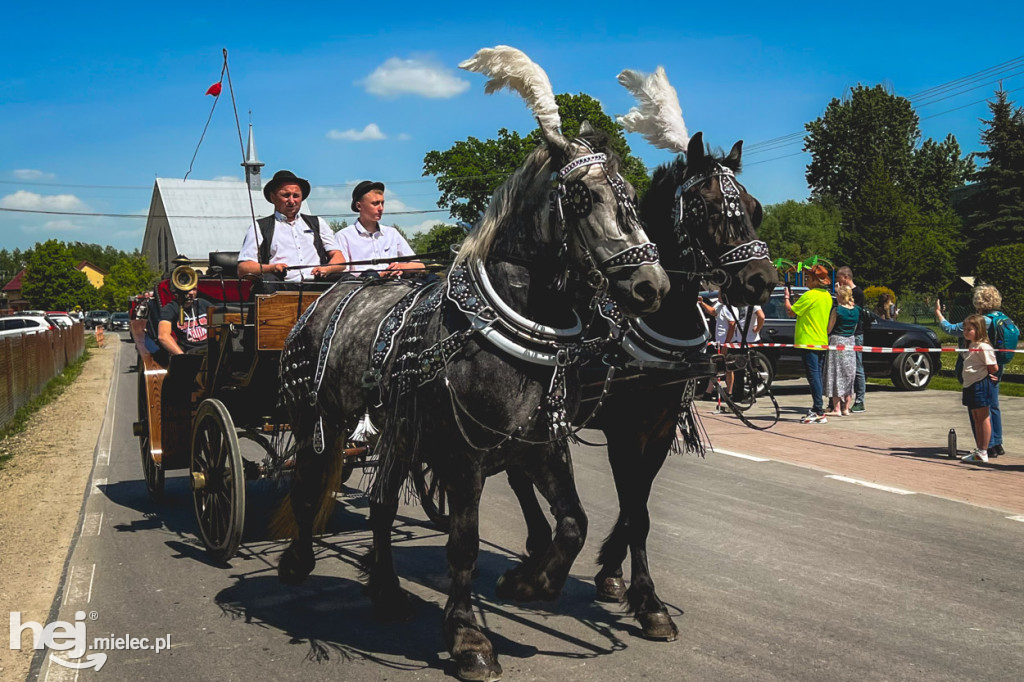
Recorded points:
(29, 361)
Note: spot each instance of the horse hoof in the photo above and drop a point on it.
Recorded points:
(293, 569)
(611, 589)
(477, 667)
(658, 627)
(511, 588)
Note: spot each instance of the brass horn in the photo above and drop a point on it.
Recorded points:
(184, 278)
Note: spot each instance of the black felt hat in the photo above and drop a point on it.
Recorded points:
(285, 177)
(362, 188)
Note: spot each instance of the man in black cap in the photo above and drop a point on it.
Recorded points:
(289, 238)
(368, 240)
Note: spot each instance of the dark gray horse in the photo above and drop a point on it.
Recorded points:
(478, 372)
(704, 223)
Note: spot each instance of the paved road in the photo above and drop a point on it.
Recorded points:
(773, 571)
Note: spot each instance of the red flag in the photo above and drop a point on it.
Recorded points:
(214, 89)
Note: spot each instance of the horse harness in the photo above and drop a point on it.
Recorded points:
(691, 211)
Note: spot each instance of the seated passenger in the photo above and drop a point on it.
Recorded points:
(367, 239)
(289, 238)
(182, 325)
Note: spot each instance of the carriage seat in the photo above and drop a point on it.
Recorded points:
(227, 261)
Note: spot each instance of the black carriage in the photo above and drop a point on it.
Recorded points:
(193, 409)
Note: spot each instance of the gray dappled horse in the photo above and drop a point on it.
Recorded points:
(477, 372)
(704, 224)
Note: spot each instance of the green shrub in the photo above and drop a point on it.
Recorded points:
(873, 294)
(1003, 268)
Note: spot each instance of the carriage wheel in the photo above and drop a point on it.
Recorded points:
(218, 480)
(151, 471)
(433, 497)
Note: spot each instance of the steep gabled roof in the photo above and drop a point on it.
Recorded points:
(15, 284)
(209, 215)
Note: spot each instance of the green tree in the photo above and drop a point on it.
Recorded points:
(337, 225)
(103, 257)
(438, 238)
(1003, 268)
(873, 225)
(51, 280)
(853, 132)
(997, 209)
(470, 170)
(796, 230)
(11, 263)
(938, 169)
(129, 276)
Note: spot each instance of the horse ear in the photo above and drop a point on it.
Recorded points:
(586, 128)
(758, 215)
(695, 152)
(735, 158)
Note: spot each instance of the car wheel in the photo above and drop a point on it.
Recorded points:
(912, 371)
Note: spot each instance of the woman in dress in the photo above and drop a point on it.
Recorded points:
(841, 365)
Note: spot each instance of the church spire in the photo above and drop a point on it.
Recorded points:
(252, 164)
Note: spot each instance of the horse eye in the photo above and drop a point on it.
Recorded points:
(598, 199)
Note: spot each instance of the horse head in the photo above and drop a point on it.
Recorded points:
(588, 214)
(714, 218)
(717, 221)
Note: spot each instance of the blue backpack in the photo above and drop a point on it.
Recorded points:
(1003, 334)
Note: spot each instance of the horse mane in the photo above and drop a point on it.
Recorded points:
(505, 204)
(510, 203)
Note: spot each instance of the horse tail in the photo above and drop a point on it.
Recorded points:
(284, 524)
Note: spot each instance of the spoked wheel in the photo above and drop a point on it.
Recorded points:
(218, 480)
(433, 497)
(151, 471)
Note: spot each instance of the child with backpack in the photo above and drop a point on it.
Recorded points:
(1003, 334)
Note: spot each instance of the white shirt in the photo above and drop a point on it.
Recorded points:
(741, 320)
(292, 245)
(386, 243)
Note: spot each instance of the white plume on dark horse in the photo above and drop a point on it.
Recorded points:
(704, 223)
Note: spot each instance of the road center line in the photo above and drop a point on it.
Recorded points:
(740, 455)
(868, 484)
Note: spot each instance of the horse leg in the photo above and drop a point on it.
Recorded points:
(390, 602)
(538, 530)
(308, 480)
(470, 650)
(543, 576)
(634, 478)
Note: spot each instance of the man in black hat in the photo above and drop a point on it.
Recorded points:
(289, 238)
(368, 240)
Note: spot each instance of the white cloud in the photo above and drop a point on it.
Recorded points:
(371, 132)
(60, 226)
(30, 201)
(397, 77)
(338, 201)
(228, 178)
(32, 174)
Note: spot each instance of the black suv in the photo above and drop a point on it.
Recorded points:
(908, 371)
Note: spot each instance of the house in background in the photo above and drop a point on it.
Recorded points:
(95, 273)
(10, 296)
(194, 217)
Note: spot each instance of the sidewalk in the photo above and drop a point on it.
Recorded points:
(900, 441)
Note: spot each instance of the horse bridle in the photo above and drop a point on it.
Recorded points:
(575, 198)
(691, 211)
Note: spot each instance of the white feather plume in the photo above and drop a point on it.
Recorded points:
(658, 116)
(510, 68)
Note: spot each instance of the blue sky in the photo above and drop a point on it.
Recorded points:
(98, 100)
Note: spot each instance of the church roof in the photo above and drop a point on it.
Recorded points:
(208, 215)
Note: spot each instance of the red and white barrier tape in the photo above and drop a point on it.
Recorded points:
(868, 349)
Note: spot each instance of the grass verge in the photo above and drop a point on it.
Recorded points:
(54, 388)
(940, 383)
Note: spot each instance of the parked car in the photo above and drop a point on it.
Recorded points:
(94, 318)
(909, 371)
(61, 318)
(120, 321)
(16, 325)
